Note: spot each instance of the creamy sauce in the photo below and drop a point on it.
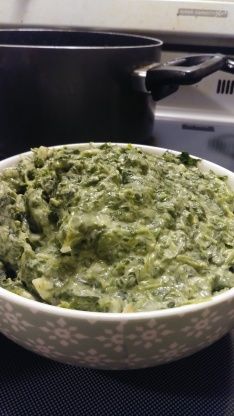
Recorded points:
(114, 229)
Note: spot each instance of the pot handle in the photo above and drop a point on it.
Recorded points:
(163, 80)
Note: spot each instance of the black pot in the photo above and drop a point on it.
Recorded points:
(66, 86)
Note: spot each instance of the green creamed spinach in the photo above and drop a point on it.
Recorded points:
(113, 229)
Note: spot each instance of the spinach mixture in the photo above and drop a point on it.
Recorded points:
(114, 229)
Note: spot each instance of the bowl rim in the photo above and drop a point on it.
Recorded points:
(36, 306)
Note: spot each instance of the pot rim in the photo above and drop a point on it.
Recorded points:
(36, 306)
(153, 42)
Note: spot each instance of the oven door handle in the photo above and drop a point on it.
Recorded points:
(163, 80)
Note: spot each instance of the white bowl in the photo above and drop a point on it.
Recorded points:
(114, 340)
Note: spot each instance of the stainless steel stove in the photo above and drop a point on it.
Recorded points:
(198, 119)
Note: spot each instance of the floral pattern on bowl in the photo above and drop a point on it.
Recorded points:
(113, 344)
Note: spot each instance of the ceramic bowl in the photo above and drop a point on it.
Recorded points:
(114, 340)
